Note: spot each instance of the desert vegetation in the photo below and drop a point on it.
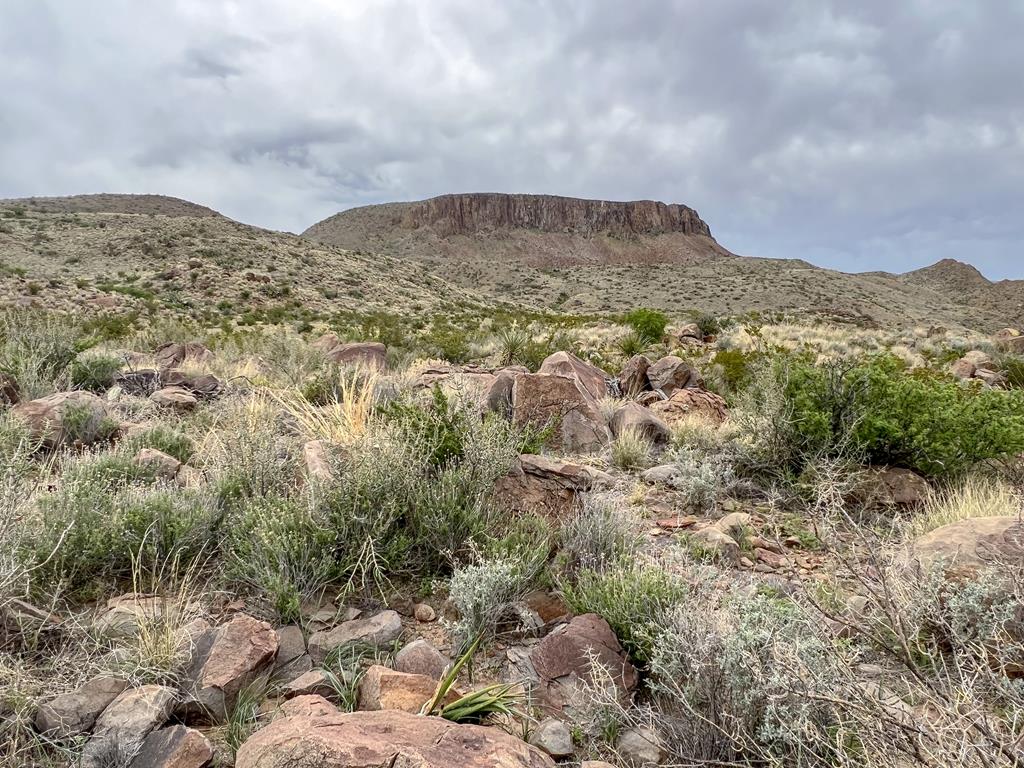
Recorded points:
(766, 541)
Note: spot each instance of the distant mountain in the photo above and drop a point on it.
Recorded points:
(595, 255)
(155, 205)
(542, 231)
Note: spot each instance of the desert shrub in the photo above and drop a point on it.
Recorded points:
(161, 438)
(877, 409)
(37, 349)
(513, 344)
(635, 601)
(731, 369)
(708, 324)
(649, 324)
(701, 478)
(600, 534)
(633, 343)
(631, 450)
(1013, 367)
(94, 373)
(872, 410)
(745, 678)
(485, 592)
(439, 428)
(106, 516)
(16, 485)
(280, 550)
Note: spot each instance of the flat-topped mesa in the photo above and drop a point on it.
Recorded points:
(474, 213)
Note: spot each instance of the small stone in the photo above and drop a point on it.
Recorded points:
(312, 683)
(424, 613)
(553, 737)
(383, 688)
(641, 746)
(421, 658)
(174, 747)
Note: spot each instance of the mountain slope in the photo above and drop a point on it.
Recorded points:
(542, 231)
(589, 255)
(124, 253)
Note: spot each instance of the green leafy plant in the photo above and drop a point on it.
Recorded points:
(649, 324)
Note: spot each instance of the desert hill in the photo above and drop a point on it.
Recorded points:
(127, 252)
(592, 255)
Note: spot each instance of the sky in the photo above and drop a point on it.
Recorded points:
(856, 135)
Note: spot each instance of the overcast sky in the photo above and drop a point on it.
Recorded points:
(876, 134)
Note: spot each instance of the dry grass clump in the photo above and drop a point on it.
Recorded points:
(342, 420)
(975, 496)
(631, 450)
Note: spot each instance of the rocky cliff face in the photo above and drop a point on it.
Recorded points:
(474, 213)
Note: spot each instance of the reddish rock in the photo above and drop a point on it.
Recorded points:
(559, 402)
(892, 486)
(225, 660)
(163, 466)
(47, 418)
(685, 403)
(174, 398)
(561, 658)
(593, 380)
(310, 736)
(545, 486)
(312, 683)
(633, 417)
(633, 378)
(174, 747)
(383, 688)
(968, 547)
(672, 373)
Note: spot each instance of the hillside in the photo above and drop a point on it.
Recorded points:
(126, 253)
(962, 282)
(588, 255)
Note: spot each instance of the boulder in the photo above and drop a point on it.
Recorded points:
(687, 403)
(381, 739)
(370, 354)
(174, 354)
(689, 333)
(540, 401)
(292, 659)
(717, 543)
(672, 373)
(383, 688)
(962, 369)
(312, 683)
(663, 474)
(175, 398)
(633, 377)
(225, 660)
(378, 631)
(498, 397)
(891, 487)
(174, 747)
(563, 657)
(633, 417)
(545, 486)
(163, 466)
(552, 736)
(967, 547)
(125, 614)
(202, 385)
(72, 714)
(641, 746)
(10, 392)
(124, 725)
(65, 417)
(421, 658)
(592, 379)
(1009, 340)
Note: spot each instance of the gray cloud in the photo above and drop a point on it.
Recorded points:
(871, 135)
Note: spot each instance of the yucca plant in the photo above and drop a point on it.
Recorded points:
(513, 343)
(476, 706)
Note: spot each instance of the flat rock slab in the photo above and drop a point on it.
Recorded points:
(379, 630)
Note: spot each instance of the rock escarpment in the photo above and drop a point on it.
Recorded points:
(470, 214)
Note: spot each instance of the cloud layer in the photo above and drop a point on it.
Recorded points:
(870, 135)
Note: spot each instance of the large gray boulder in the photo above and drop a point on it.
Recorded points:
(559, 402)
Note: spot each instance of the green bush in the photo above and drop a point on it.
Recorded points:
(163, 439)
(878, 410)
(708, 324)
(105, 517)
(635, 601)
(649, 324)
(94, 373)
(733, 368)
